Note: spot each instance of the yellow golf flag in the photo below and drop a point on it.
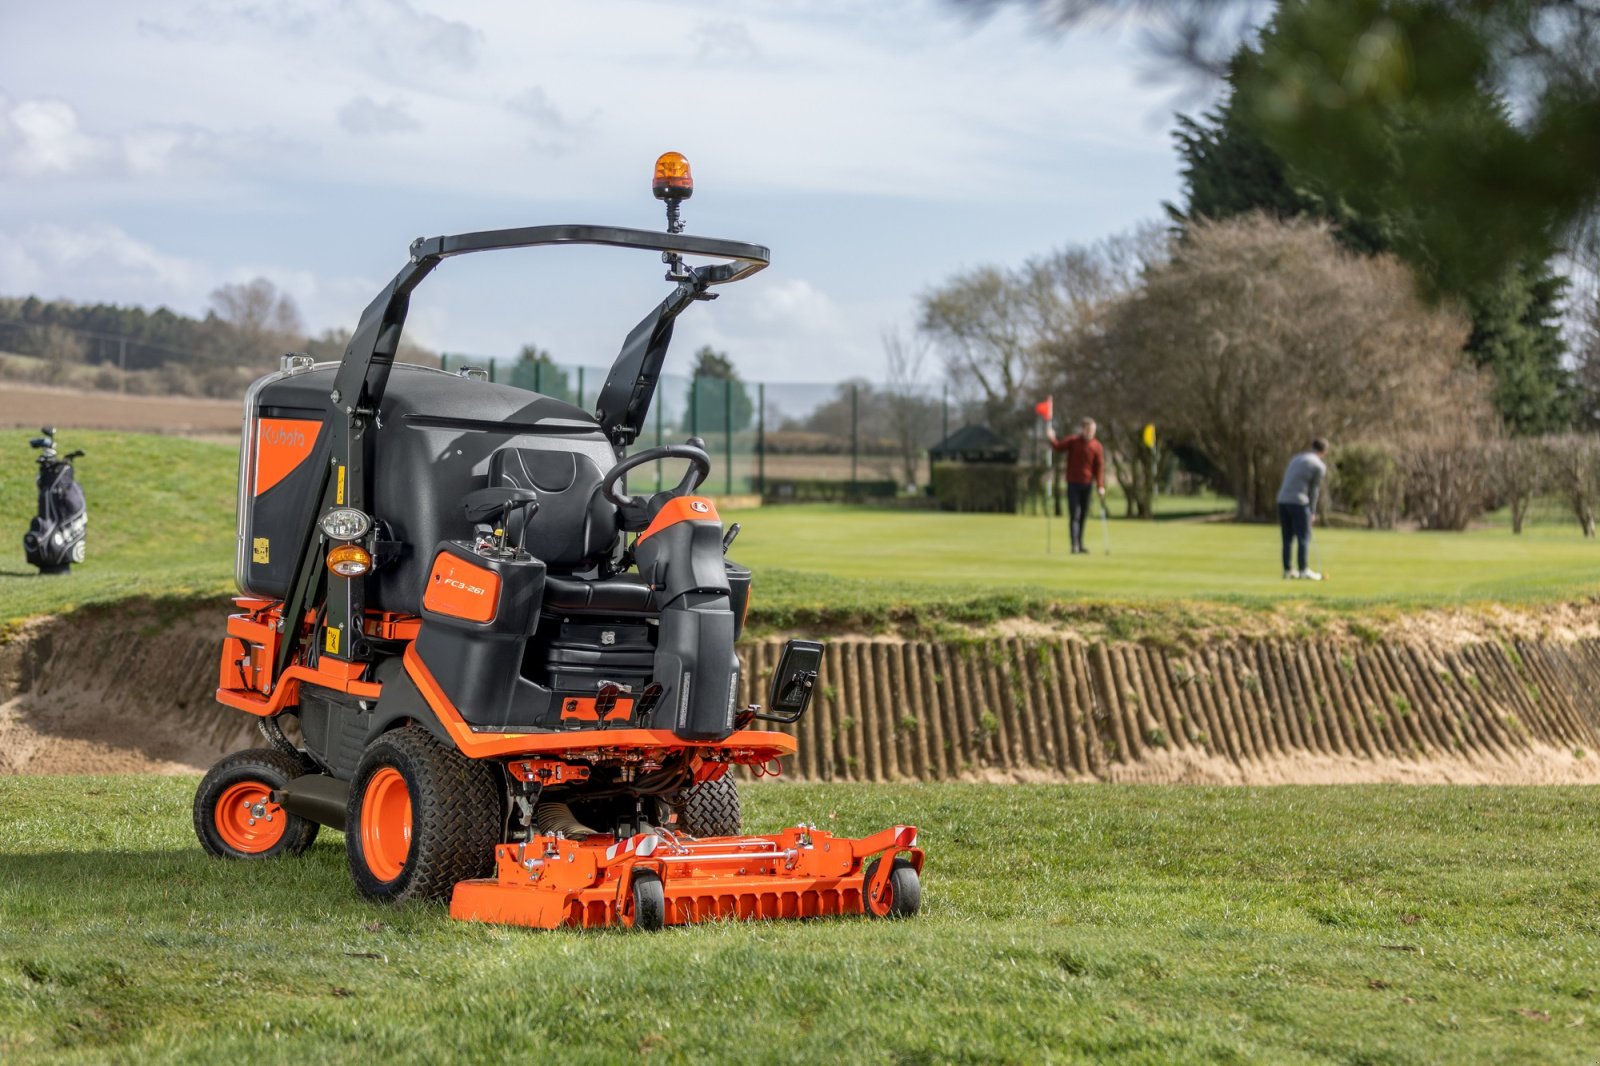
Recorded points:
(1150, 435)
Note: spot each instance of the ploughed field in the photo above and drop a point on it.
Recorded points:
(1078, 922)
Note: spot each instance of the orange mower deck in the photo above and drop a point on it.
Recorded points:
(800, 872)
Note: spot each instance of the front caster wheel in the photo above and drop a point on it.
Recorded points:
(234, 815)
(421, 816)
(647, 902)
(901, 896)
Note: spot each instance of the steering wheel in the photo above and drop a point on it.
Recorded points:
(699, 470)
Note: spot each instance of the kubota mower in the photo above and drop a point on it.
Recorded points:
(515, 682)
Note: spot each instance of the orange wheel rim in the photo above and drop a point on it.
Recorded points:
(247, 820)
(386, 824)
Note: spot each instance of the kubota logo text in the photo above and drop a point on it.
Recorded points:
(277, 435)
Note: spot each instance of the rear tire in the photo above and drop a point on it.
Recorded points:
(902, 895)
(711, 808)
(234, 816)
(648, 910)
(421, 816)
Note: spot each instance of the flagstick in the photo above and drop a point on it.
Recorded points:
(1049, 488)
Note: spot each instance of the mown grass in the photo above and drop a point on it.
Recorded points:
(160, 520)
(1061, 923)
(161, 524)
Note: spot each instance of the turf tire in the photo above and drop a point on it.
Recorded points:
(273, 770)
(455, 816)
(711, 808)
(905, 889)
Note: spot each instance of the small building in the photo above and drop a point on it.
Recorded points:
(974, 469)
(974, 444)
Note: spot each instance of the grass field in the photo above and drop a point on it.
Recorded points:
(161, 522)
(1068, 923)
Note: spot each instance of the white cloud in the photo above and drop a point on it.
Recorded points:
(363, 116)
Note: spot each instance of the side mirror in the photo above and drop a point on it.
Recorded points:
(793, 681)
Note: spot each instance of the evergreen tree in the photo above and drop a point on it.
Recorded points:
(716, 395)
(1230, 169)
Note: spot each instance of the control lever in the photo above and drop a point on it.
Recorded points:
(482, 503)
(727, 538)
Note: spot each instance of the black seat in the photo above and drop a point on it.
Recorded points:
(624, 594)
(575, 526)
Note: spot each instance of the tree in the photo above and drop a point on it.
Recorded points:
(912, 416)
(536, 370)
(979, 322)
(1229, 169)
(1335, 81)
(262, 322)
(1258, 334)
(718, 399)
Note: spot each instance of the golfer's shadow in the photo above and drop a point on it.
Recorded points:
(22, 573)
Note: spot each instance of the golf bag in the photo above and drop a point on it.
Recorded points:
(55, 538)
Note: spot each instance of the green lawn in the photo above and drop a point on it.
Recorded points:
(160, 520)
(161, 523)
(1078, 923)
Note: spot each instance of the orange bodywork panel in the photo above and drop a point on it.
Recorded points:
(281, 445)
(245, 680)
(799, 873)
(461, 590)
(587, 709)
(746, 746)
(682, 509)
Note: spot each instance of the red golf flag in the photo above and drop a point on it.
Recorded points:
(1046, 408)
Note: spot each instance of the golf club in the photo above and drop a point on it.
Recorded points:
(1105, 526)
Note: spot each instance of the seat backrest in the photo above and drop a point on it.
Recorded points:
(576, 525)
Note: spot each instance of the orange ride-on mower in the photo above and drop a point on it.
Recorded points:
(515, 682)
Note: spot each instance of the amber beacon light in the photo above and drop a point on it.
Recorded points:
(673, 180)
(349, 560)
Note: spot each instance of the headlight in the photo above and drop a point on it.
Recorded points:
(345, 523)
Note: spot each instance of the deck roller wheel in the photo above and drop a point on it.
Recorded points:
(421, 816)
(647, 902)
(234, 815)
(902, 893)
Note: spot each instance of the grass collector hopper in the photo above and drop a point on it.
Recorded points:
(515, 681)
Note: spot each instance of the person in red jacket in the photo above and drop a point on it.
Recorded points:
(1086, 471)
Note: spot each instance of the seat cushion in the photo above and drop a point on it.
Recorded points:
(625, 594)
(576, 526)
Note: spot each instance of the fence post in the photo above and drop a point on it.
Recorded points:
(727, 435)
(538, 375)
(855, 434)
(580, 387)
(491, 368)
(694, 406)
(659, 407)
(761, 440)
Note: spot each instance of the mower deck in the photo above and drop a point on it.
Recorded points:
(800, 872)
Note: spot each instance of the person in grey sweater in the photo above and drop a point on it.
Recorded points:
(1297, 505)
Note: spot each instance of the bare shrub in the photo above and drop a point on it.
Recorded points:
(1575, 475)
(1448, 483)
(1366, 479)
(1520, 470)
(1258, 334)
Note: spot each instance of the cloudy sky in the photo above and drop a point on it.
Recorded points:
(151, 151)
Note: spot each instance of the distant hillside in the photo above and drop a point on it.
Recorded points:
(162, 352)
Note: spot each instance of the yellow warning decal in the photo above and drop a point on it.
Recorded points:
(338, 496)
(331, 642)
(261, 551)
